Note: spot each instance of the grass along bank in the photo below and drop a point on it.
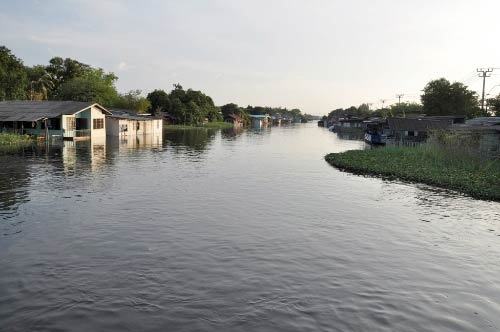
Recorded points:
(472, 175)
(8, 140)
(211, 125)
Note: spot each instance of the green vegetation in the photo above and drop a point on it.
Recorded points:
(218, 125)
(245, 112)
(13, 78)
(210, 125)
(430, 164)
(7, 140)
(494, 105)
(444, 98)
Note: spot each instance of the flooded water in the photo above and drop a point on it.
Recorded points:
(236, 231)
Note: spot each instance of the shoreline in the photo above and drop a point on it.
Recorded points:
(477, 178)
(209, 125)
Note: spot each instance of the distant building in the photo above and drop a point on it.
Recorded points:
(169, 119)
(276, 120)
(127, 123)
(71, 120)
(236, 120)
(350, 123)
(416, 129)
(260, 121)
(485, 131)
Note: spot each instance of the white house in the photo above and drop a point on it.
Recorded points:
(125, 123)
(72, 120)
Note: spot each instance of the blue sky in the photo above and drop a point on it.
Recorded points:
(313, 54)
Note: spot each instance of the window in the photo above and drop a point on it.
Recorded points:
(98, 123)
(54, 124)
(70, 123)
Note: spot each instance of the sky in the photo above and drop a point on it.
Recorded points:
(316, 55)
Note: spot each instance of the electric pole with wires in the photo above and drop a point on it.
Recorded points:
(484, 72)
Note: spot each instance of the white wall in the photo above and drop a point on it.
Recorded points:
(96, 113)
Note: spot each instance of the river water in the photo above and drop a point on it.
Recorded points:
(236, 231)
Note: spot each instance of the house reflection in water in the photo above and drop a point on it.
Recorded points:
(84, 154)
(121, 143)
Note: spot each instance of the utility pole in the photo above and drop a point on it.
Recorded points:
(484, 72)
(399, 96)
(383, 112)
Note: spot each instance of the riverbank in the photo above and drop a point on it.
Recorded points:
(473, 176)
(12, 140)
(211, 125)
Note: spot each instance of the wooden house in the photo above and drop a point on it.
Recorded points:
(236, 120)
(415, 129)
(72, 120)
(484, 131)
(128, 123)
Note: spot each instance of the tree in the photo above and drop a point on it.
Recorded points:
(13, 78)
(41, 83)
(443, 98)
(64, 70)
(93, 86)
(192, 107)
(230, 109)
(133, 100)
(159, 100)
(178, 109)
(403, 109)
(494, 105)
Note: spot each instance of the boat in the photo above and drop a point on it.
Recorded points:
(374, 138)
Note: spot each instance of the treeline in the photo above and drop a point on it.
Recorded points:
(244, 112)
(63, 79)
(440, 97)
(69, 79)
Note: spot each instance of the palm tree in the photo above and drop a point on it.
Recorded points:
(42, 84)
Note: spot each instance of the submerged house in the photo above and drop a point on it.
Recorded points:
(127, 123)
(169, 119)
(70, 120)
(351, 123)
(236, 120)
(259, 121)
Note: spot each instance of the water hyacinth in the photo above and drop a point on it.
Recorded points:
(455, 169)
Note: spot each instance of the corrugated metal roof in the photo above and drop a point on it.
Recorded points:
(27, 110)
(484, 121)
(121, 113)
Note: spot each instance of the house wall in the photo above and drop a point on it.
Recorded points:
(96, 113)
(115, 127)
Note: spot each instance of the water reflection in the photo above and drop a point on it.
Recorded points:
(196, 140)
(232, 133)
(351, 136)
(14, 181)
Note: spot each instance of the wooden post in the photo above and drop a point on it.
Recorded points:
(46, 132)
